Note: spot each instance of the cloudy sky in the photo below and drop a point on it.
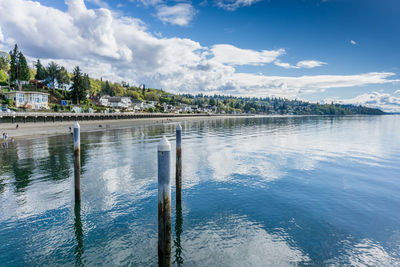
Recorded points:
(345, 51)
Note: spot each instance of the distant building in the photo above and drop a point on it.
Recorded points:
(116, 101)
(30, 100)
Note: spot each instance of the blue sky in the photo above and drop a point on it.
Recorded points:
(344, 51)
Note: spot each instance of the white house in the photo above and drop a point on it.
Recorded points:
(119, 101)
(30, 100)
(103, 101)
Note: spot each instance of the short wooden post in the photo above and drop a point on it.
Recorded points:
(178, 176)
(164, 203)
(77, 161)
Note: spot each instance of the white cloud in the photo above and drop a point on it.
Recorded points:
(353, 42)
(229, 54)
(148, 3)
(1, 36)
(99, 3)
(119, 48)
(397, 92)
(384, 101)
(307, 64)
(232, 5)
(180, 14)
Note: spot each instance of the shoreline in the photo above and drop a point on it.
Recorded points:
(32, 130)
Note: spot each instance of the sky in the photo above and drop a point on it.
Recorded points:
(345, 51)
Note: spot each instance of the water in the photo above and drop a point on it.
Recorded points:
(256, 192)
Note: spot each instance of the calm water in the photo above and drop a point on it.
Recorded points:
(257, 192)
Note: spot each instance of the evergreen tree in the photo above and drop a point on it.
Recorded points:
(78, 88)
(24, 74)
(40, 71)
(86, 83)
(14, 64)
(52, 72)
(107, 89)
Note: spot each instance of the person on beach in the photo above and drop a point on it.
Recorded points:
(70, 129)
(16, 127)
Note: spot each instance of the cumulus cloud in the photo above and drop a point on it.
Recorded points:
(229, 54)
(119, 48)
(307, 64)
(232, 5)
(180, 14)
(353, 42)
(384, 101)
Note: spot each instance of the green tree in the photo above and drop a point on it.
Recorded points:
(24, 69)
(3, 77)
(52, 72)
(14, 64)
(4, 68)
(86, 83)
(152, 96)
(62, 77)
(40, 71)
(3, 64)
(95, 86)
(117, 89)
(107, 89)
(78, 88)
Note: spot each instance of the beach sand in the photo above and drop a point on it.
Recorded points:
(40, 129)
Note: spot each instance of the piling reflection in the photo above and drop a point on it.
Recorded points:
(178, 231)
(78, 234)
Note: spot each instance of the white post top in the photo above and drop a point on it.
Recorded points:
(164, 145)
(76, 125)
(179, 127)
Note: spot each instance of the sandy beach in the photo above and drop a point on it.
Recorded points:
(40, 129)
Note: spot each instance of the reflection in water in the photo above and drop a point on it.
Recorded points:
(178, 232)
(234, 240)
(78, 234)
(258, 191)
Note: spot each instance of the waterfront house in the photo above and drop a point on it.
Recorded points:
(29, 100)
(119, 102)
(137, 105)
(103, 101)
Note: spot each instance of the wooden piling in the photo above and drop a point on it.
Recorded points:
(164, 203)
(178, 173)
(77, 161)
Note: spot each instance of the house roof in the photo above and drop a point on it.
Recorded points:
(26, 92)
